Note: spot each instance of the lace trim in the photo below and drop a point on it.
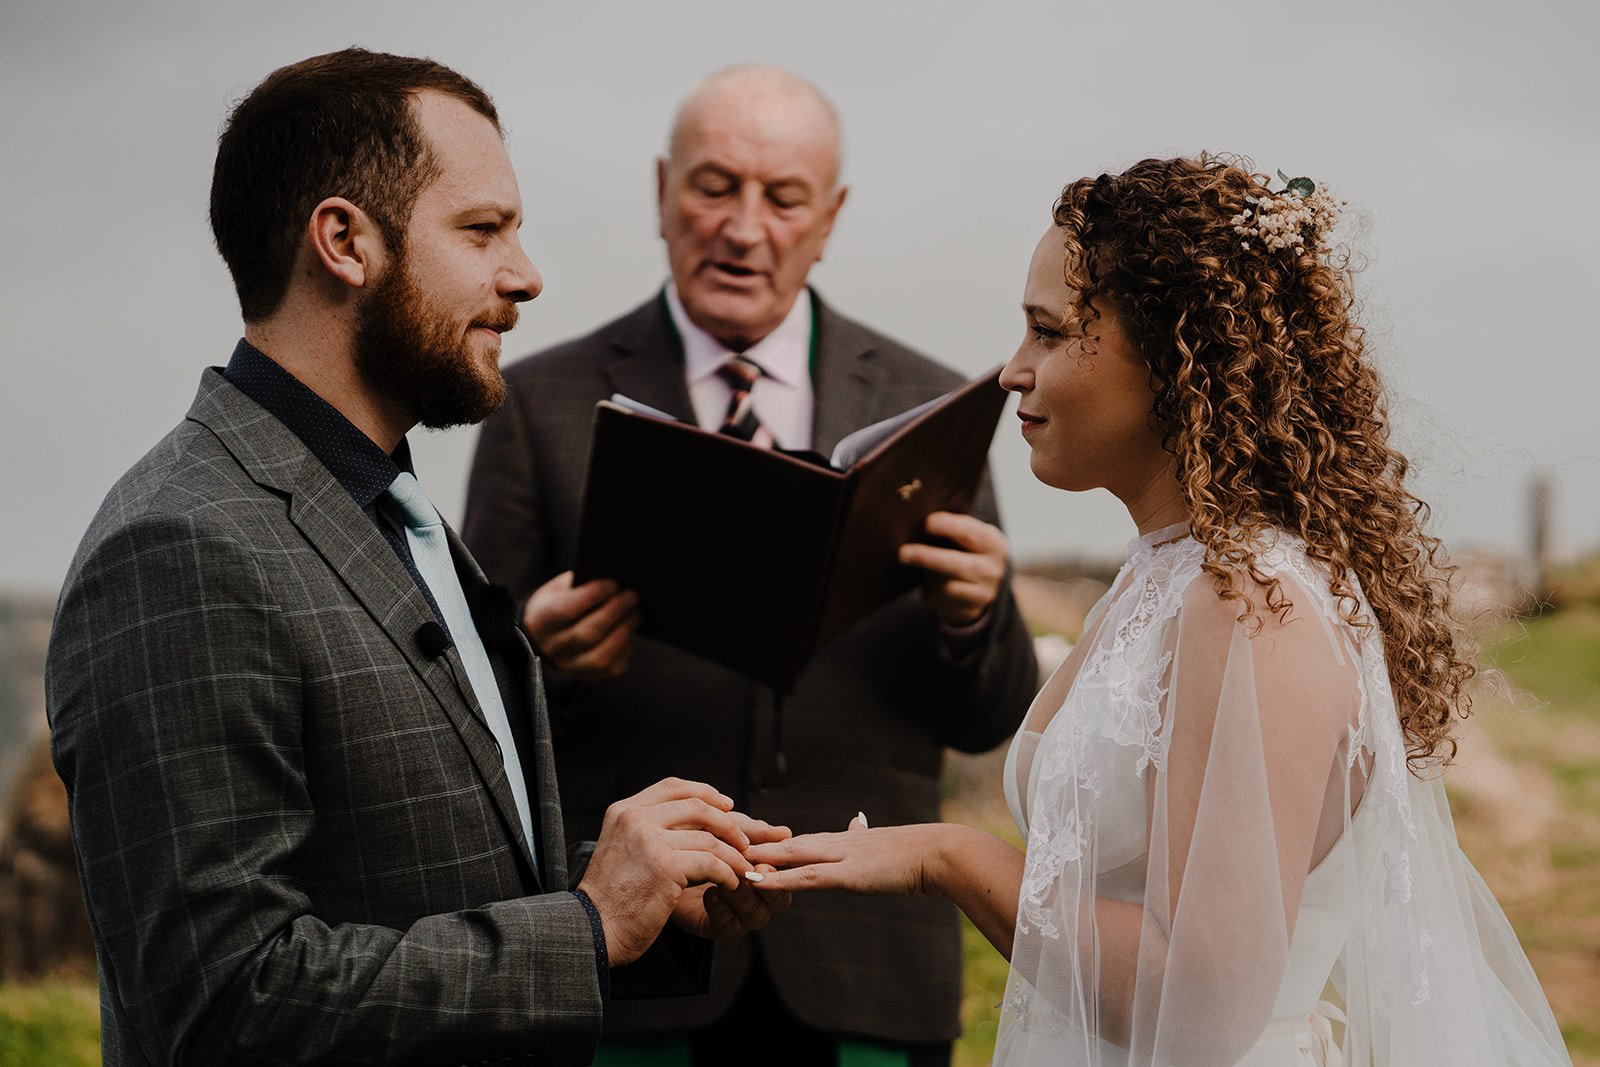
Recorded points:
(1117, 701)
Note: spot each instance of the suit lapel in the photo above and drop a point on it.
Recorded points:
(545, 799)
(359, 555)
(635, 366)
(846, 381)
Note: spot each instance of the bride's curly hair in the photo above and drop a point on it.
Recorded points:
(1272, 412)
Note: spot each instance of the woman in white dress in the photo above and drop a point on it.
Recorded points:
(1238, 847)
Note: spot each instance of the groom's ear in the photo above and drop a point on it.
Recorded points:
(344, 244)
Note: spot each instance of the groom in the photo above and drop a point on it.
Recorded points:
(304, 742)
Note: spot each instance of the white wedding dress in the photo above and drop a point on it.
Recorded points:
(1229, 861)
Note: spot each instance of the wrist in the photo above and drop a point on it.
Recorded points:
(939, 871)
(602, 944)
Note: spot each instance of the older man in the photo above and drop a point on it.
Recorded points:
(748, 195)
(306, 755)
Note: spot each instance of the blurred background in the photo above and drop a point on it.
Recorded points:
(1464, 138)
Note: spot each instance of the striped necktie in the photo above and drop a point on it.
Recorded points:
(741, 421)
(430, 551)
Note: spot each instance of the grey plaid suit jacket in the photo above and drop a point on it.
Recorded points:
(293, 827)
(864, 729)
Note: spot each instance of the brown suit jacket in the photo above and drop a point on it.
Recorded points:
(864, 729)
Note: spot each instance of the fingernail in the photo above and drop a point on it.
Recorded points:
(755, 876)
(861, 815)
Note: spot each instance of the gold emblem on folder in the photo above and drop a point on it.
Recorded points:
(910, 489)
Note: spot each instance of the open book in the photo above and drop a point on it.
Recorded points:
(755, 558)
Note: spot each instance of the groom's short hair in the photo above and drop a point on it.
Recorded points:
(339, 124)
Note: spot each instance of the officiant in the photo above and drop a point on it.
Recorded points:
(748, 194)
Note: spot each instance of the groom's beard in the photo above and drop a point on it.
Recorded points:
(414, 354)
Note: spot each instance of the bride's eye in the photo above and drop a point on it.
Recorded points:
(1043, 333)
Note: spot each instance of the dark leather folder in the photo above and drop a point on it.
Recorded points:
(754, 558)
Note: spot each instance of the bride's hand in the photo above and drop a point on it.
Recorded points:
(885, 861)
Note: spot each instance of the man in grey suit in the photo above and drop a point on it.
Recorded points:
(748, 195)
(304, 742)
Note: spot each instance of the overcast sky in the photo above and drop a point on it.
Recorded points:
(1465, 135)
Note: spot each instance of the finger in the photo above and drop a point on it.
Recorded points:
(687, 813)
(699, 840)
(558, 599)
(859, 822)
(775, 901)
(693, 866)
(797, 851)
(582, 634)
(680, 789)
(759, 831)
(968, 531)
(798, 879)
(747, 906)
(953, 562)
(970, 596)
(608, 655)
(692, 813)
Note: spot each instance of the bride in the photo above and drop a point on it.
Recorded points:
(1238, 847)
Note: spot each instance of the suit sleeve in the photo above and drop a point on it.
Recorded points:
(175, 694)
(982, 696)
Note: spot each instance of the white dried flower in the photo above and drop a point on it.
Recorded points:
(1290, 219)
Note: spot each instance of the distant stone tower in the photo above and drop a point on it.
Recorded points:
(1539, 534)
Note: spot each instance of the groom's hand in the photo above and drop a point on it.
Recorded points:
(714, 913)
(963, 572)
(586, 630)
(653, 846)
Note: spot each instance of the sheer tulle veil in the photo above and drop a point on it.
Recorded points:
(1238, 796)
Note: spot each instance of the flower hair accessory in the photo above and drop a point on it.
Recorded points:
(1299, 217)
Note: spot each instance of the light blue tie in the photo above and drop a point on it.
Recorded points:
(430, 551)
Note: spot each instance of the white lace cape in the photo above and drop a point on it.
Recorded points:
(1195, 785)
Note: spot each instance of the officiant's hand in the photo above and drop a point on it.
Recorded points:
(962, 577)
(586, 630)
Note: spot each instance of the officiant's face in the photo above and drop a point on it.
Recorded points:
(747, 200)
(1084, 390)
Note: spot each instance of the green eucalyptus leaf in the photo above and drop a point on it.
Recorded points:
(1302, 187)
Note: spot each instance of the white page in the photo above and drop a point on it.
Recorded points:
(638, 408)
(853, 446)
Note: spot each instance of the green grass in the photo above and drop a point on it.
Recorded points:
(984, 986)
(1551, 728)
(53, 1024)
(1556, 657)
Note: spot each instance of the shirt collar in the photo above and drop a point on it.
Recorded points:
(784, 354)
(352, 457)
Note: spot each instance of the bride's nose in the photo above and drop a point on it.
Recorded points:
(1015, 376)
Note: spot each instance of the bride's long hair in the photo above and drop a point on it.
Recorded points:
(1270, 408)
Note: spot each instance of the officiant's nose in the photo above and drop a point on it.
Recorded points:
(744, 227)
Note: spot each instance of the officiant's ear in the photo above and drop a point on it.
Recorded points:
(344, 243)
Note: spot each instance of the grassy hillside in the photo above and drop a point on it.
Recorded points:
(1527, 800)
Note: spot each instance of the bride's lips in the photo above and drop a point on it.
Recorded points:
(1030, 423)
